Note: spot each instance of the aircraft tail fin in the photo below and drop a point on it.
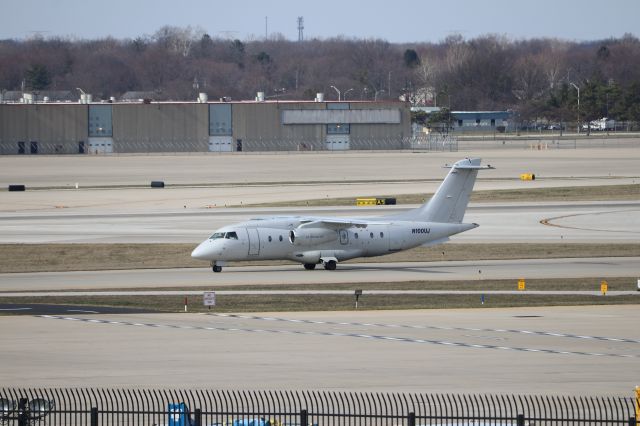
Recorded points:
(450, 201)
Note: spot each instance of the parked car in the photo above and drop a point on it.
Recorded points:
(555, 127)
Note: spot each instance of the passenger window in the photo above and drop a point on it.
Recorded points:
(382, 235)
(269, 238)
(231, 236)
(371, 234)
(356, 236)
(217, 235)
(280, 237)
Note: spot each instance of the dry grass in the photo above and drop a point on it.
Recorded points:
(86, 257)
(278, 303)
(573, 193)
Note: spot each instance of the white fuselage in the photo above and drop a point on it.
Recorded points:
(271, 238)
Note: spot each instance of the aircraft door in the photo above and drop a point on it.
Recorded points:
(395, 238)
(254, 241)
(344, 237)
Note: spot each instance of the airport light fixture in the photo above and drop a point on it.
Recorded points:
(339, 94)
(578, 89)
(345, 94)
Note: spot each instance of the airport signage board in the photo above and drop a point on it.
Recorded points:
(209, 298)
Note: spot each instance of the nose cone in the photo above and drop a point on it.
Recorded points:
(203, 251)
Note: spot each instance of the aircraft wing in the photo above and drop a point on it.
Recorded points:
(337, 223)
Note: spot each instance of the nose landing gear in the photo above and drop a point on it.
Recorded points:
(216, 266)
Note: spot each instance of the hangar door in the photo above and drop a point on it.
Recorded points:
(220, 128)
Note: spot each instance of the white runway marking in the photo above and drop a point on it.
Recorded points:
(433, 327)
(335, 334)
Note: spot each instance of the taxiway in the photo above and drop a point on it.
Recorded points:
(562, 350)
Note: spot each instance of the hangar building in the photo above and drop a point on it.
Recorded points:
(146, 126)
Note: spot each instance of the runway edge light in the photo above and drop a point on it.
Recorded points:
(604, 287)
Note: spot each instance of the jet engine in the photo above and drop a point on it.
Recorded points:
(311, 236)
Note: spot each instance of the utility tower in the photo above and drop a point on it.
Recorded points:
(300, 28)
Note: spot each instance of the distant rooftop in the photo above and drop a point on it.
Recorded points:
(39, 95)
(136, 96)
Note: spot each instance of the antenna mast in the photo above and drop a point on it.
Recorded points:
(300, 28)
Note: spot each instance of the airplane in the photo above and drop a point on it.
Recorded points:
(313, 241)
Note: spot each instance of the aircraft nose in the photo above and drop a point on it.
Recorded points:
(202, 252)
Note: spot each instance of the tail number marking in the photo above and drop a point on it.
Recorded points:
(421, 230)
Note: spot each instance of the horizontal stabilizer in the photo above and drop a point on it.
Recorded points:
(469, 166)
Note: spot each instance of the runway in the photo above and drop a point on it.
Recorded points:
(584, 222)
(564, 350)
(346, 273)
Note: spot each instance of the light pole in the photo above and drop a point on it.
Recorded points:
(83, 96)
(345, 94)
(578, 89)
(375, 97)
(339, 94)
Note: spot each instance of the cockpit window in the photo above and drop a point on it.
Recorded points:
(226, 235)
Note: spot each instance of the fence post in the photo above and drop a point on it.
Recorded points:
(520, 420)
(198, 417)
(94, 416)
(304, 418)
(411, 419)
(23, 416)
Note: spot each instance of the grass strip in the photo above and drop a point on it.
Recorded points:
(295, 303)
(280, 303)
(87, 257)
(570, 193)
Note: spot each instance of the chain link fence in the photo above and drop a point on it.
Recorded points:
(431, 142)
(170, 145)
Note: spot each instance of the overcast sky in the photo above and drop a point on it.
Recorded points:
(393, 20)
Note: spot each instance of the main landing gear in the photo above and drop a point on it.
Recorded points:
(330, 265)
(216, 268)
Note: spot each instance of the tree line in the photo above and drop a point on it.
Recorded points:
(535, 78)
